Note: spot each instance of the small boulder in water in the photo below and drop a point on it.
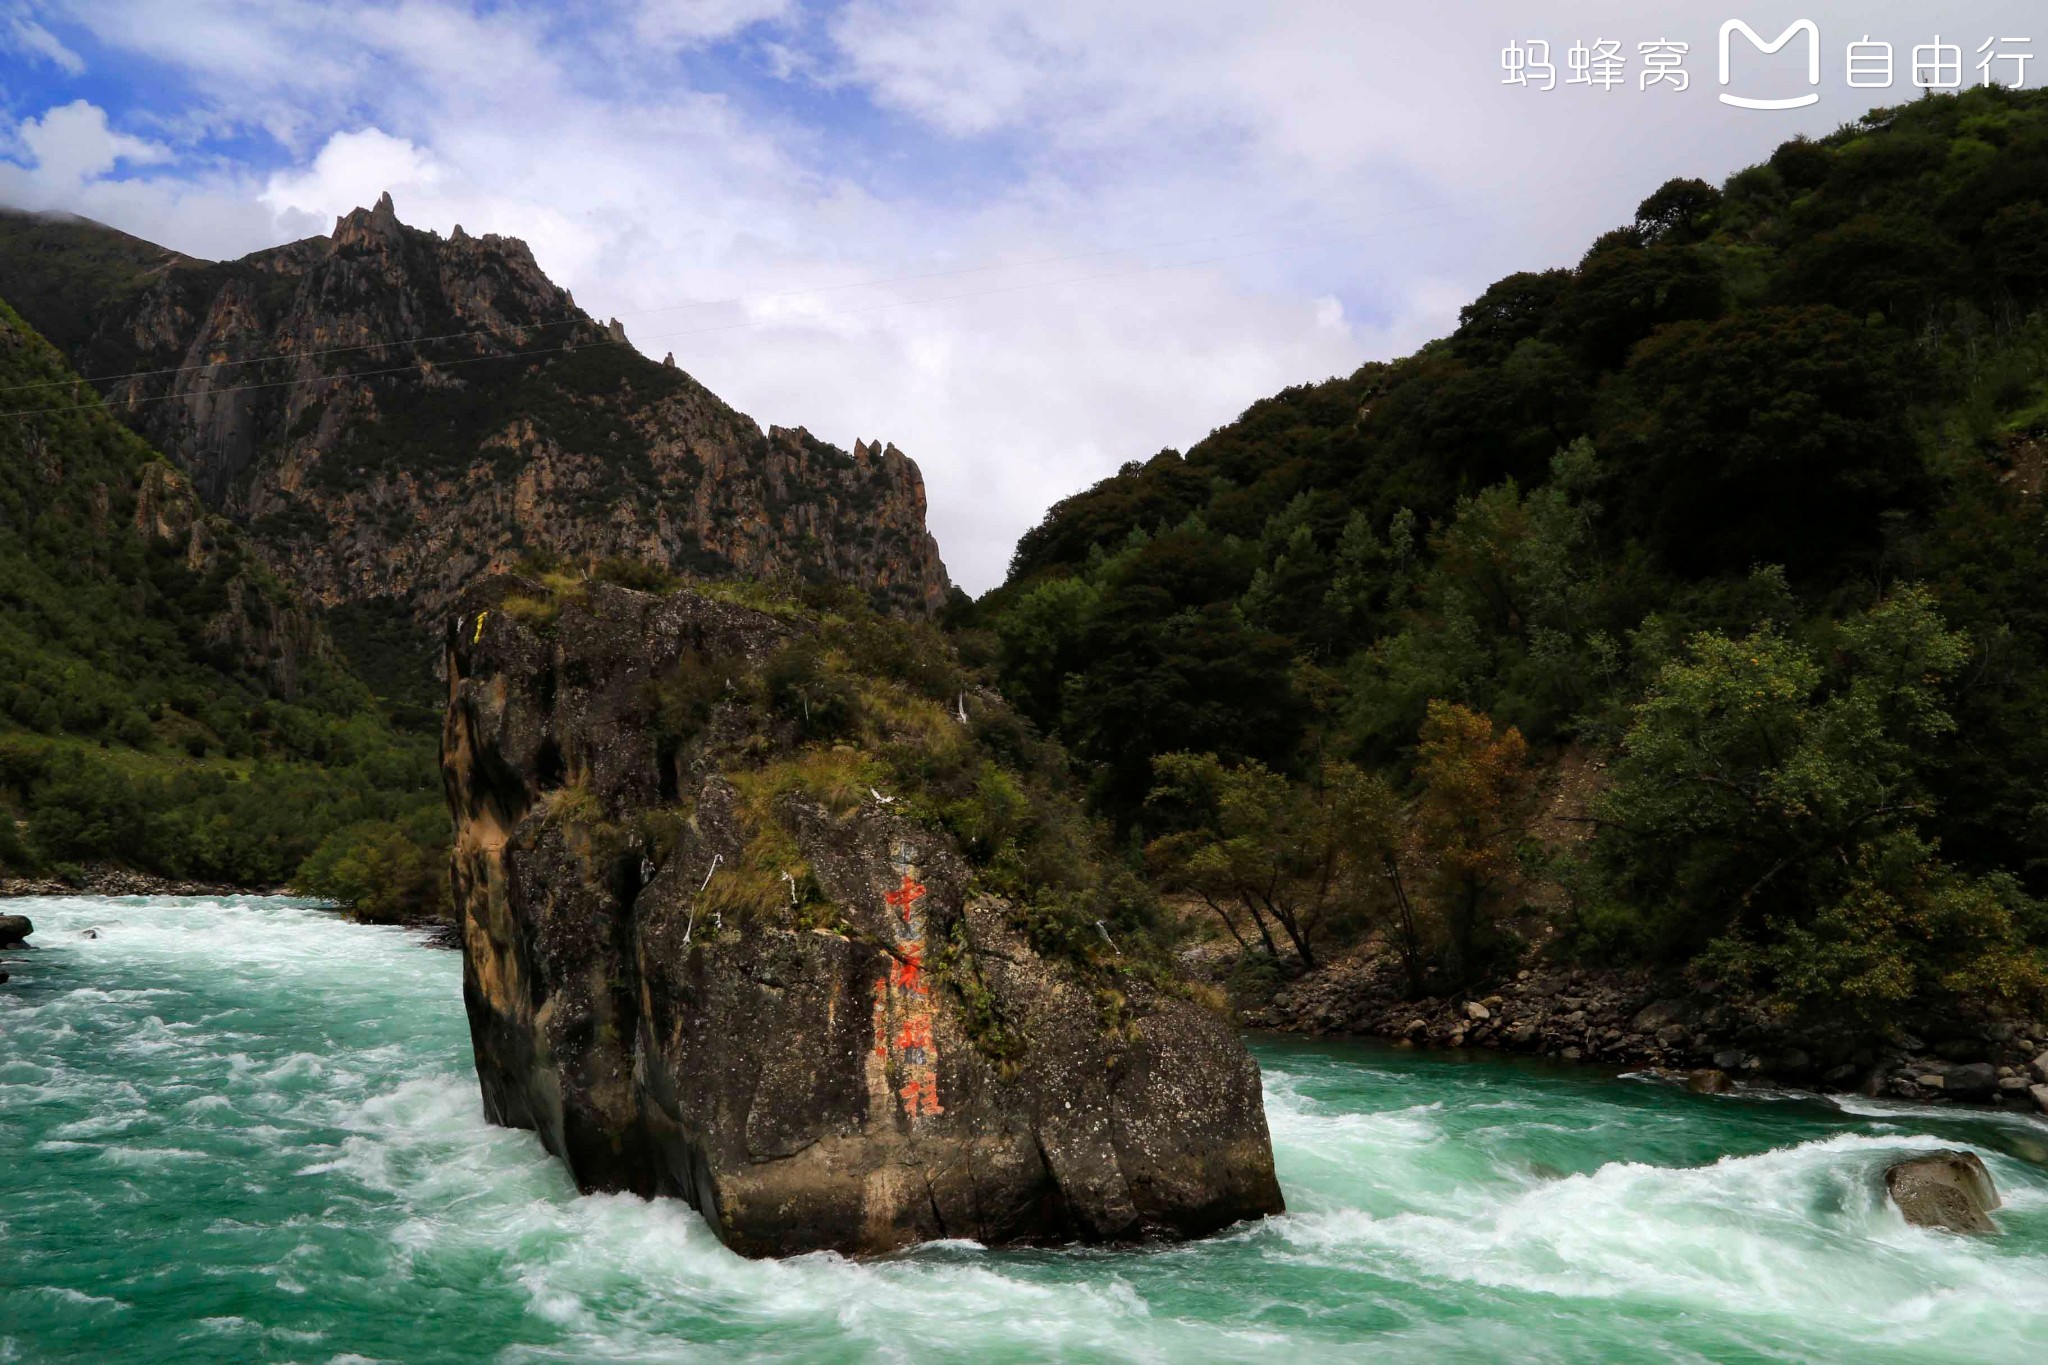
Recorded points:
(13, 929)
(1947, 1190)
(1709, 1081)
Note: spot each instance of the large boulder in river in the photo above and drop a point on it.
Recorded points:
(781, 915)
(1948, 1190)
(14, 929)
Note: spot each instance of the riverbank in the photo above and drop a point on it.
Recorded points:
(1639, 1020)
(100, 879)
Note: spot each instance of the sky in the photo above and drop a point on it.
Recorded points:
(1025, 240)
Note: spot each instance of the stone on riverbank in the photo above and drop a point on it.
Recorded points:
(1947, 1190)
(1975, 1080)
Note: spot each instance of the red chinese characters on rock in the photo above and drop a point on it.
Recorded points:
(921, 1098)
(914, 1039)
(905, 1048)
(906, 895)
(907, 972)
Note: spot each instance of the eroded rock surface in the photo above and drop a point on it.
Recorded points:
(814, 1080)
(1948, 1190)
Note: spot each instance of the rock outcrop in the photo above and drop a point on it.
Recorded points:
(392, 413)
(1947, 1190)
(789, 1007)
(1636, 1019)
(14, 931)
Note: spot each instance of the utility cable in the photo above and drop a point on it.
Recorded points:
(744, 300)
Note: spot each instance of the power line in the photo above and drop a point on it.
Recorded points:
(741, 300)
(672, 307)
(736, 300)
(418, 366)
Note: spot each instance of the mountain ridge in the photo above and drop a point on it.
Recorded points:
(169, 706)
(392, 413)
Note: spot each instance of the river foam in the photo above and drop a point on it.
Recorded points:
(243, 1128)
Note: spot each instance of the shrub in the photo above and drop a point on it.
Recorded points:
(381, 871)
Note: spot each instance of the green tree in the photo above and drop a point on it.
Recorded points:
(382, 871)
(1041, 636)
(1507, 616)
(1681, 210)
(1170, 664)
(1275, 855)
(1773, 436)
(1472, 777)
(1768, 809)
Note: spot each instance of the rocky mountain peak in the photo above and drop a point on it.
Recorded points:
(360, 225)
(392, 413)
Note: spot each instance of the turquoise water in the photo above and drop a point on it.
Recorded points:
(246, 1130)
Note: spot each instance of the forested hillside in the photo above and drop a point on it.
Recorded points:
(165, 703)
(1737, 522)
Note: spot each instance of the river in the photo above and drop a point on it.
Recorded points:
(245, 1129)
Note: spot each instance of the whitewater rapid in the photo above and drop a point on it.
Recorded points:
(243, 1129)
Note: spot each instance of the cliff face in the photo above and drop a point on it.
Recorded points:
(391, 413)
(92, 521)
(884, 1057)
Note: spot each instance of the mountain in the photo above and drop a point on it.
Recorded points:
(1736, 524)
(167, 704)
(390, 414)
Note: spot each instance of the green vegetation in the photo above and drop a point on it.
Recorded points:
(1746, 506)
(1260, 851)
(1780, 804)
(857, 701)
(165, 704)
(387, 871)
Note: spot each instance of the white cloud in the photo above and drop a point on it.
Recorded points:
(351, 168)
(702, 21)
(1358, 170)
(68, 146)
(24, 35)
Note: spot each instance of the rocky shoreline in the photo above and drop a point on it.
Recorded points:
(1637, 1020)
(120, 881)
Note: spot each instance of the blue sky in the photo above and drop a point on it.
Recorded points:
(1166, 209)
